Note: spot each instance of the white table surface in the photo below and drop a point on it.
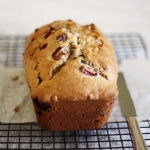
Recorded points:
(111, 16)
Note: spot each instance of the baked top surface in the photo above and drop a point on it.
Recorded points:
(66, 61)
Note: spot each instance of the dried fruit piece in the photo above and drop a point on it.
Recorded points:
(51, 31)
(87, 70)
(43, 46)
(36, 30)
(62, 37)
(91, 26)
(59, 52)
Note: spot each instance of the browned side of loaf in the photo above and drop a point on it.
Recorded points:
(73, 115)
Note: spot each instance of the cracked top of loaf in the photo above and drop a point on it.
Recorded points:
(66, 61)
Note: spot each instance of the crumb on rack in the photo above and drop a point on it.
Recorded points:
(15, 78)
(16, 109)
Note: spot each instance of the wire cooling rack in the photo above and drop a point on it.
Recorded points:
(112, 136)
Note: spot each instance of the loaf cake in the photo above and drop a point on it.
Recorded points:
(71, 71)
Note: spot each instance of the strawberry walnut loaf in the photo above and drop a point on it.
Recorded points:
(71, 71)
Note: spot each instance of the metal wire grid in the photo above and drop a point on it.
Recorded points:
(30, 136)
(116, 135)
(113, 136)
(126, 46)
(11, 49)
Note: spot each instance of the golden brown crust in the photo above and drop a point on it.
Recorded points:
(68, 62)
